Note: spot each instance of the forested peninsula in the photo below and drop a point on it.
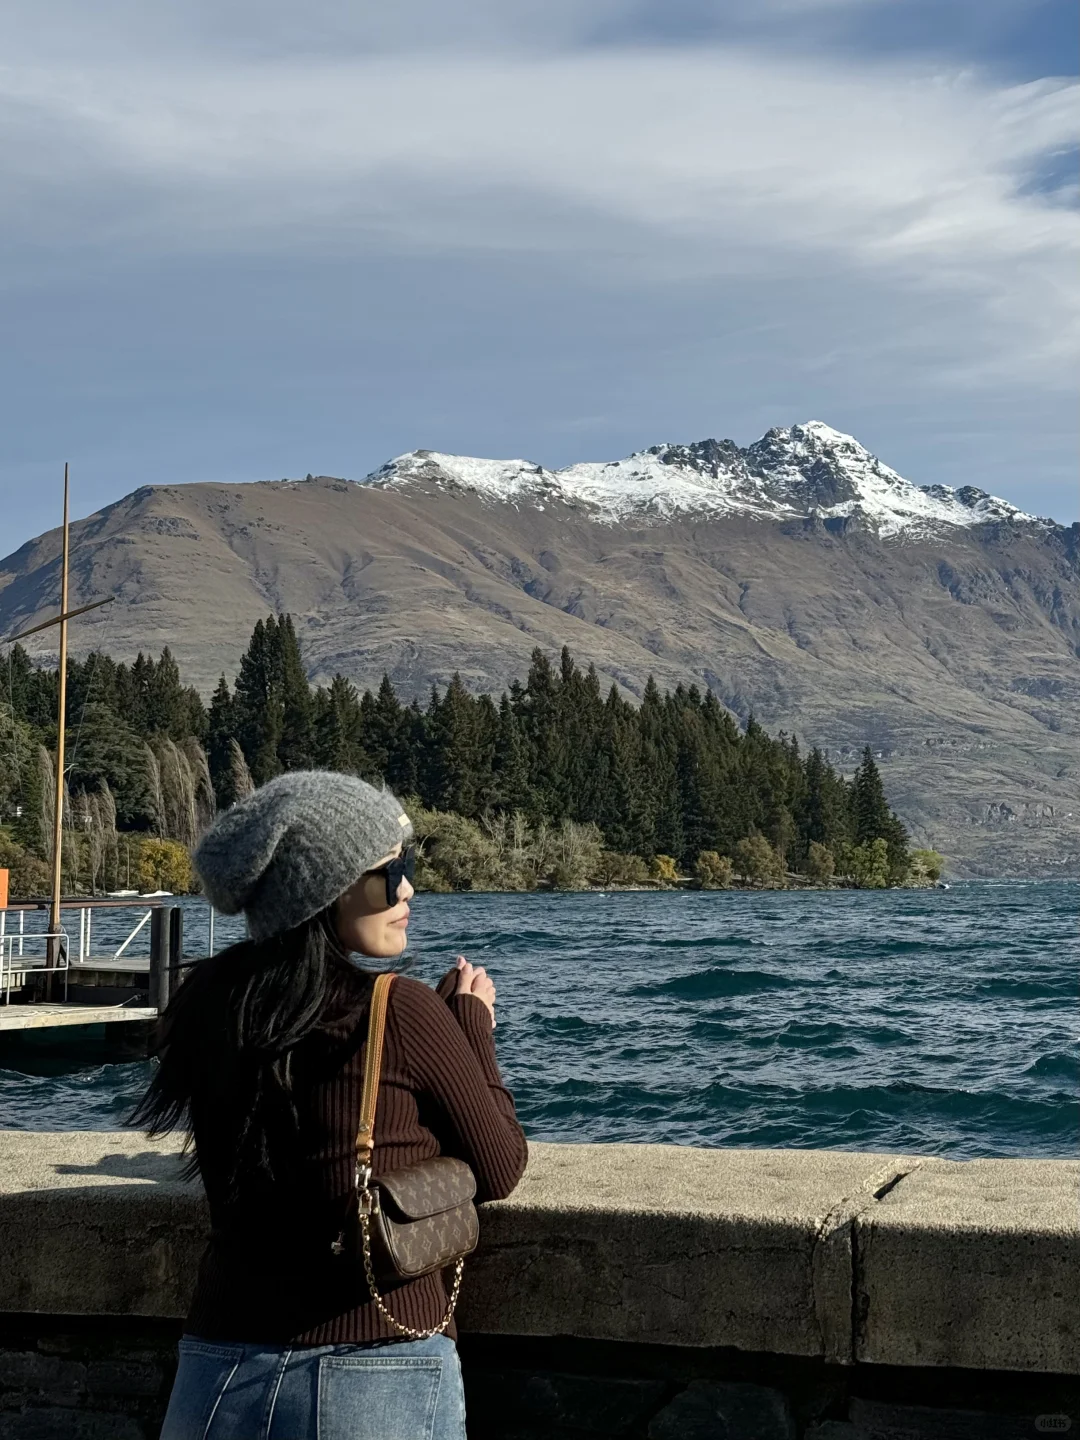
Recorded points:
(552, 784)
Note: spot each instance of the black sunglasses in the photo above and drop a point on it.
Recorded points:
(401, 867)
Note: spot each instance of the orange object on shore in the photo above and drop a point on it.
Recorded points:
(3, 889)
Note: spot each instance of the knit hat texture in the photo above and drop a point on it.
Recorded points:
(292, 847)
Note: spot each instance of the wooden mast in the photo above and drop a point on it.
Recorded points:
(58, 806)
(58, 810)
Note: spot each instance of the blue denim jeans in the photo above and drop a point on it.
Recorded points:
(407, 1390)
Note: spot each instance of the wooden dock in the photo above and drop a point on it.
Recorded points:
(46, 1017)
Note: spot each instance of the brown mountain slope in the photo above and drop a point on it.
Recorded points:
(957, 659)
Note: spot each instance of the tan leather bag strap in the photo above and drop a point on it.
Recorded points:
(369, 1098)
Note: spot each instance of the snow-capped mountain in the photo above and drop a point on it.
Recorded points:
(946, 643)
(806, 470)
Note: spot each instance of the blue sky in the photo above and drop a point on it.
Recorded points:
(248, 240)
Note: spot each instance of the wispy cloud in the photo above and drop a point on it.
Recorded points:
(675, 164)
(860, 217)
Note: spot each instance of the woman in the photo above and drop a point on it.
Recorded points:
(261, 1055)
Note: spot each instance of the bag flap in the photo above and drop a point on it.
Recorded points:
(429, 1187)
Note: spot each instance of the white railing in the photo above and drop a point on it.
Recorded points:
(116, 953)
(20, 943)
(21, 933)
(16, 960)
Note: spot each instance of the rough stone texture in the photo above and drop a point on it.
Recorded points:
(877, 1420)
(84, 1379)
(71, 1425)
(96, 1223)
(108, 1378)
(725, 1412)
(972, 1263)
(664, 1243)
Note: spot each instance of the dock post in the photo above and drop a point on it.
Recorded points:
(159, 958)
(176, 950)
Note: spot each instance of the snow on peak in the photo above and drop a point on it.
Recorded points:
(802, 471)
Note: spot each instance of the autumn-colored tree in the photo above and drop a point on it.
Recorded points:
(714, 871)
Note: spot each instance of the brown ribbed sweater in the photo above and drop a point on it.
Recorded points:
(268, 1275)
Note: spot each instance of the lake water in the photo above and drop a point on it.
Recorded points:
(931, 1022)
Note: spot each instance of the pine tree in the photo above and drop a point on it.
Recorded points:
(823, 816)
(34, 827)
(165, 702)
(337, 729)
(659, 772)
(700, 784)
(486, 731)
(103, 747)
(873, 820)
(17, 746)
(194, 719)
(19, 681)
(870, 809)
(294, 750)
(388, 738)
(511, 762)
(141, 680)
(413, 748)
(580, 720)
(540, 719)
(257, 700)
(625, 815)
(673, 777)
(221, 731)
(453, 751)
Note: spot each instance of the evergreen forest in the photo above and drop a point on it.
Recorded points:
(552, 783)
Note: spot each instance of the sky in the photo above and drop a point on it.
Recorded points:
(244, 241)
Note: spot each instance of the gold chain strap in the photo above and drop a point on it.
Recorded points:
(365, 1141)
(365, 1224)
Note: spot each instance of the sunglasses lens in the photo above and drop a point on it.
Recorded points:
(403, 867)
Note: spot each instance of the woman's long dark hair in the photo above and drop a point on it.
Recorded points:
(229, 1037)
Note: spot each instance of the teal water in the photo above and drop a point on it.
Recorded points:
(932, 1022)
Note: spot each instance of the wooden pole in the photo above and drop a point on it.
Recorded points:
(94, 605)
(158, 988)
(58, 813)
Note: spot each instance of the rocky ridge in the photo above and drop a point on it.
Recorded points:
(805, 470)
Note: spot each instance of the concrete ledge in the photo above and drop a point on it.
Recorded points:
(972, 1264)
(838, 1256)
(667, 1244)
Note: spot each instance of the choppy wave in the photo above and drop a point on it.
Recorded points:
(712, 984)
(939, 1022)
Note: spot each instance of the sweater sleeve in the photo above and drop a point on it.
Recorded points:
(449, 1056)
(474, 1018)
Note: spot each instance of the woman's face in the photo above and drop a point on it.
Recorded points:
(364, 924)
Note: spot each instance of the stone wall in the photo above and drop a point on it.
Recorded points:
(626, 1291)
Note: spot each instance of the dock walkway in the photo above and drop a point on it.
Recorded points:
(45, 1017)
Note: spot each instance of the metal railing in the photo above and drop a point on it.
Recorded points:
(17, 958)
(13, 919)
(159, 923)
(120, 950)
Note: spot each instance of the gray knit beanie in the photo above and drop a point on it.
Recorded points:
(292, 847)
